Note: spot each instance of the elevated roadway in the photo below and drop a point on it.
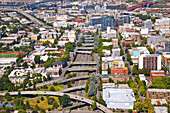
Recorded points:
(84, 52)
(73, 88)
(84, 63)
(74, 97)
(33, 19)
(74, 78)
(81, 69)
(85, 48)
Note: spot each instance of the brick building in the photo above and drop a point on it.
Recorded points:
(120, 71)
(158, 94)
(157, 73)
(115, 78)
(129, 41)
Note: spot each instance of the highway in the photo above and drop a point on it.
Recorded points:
(73, 88)
(33, 19)
(74, 97)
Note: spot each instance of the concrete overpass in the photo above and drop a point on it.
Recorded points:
(88, 44)
(74, 97)
(84, 52)
(80, 69)
(85, 48)
(74, 78)
(84, 63)
(89, 41)
(73, 88)
(33, 19)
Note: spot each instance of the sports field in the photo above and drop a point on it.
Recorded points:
(10, 54)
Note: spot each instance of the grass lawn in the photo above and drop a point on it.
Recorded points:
(43, 104)
(57, 88)
(8, 55)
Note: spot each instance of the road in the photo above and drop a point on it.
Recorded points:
(74, 97)
(33, 19)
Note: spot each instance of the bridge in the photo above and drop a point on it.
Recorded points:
(85, 48)
(33, 19)
(89, 41)
(80, 69)
(73, 88)
(139, 5)
(74, 97)
(84, 63)
(88, 44)
(84, 52)
(74, 78)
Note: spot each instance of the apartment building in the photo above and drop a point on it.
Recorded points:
(152, 61)
(158, 94)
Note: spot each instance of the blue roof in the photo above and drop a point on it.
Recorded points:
(10, 105)
(136, 53)
(2, 105)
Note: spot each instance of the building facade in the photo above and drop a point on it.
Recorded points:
(152, 61)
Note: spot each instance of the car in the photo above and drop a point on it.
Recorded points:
(75, 96)
(99, 106)
(82, 98)
(44, 92)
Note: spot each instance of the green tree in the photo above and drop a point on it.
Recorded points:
(25, 65)
(55, 104)
(94, 106)
(101, 101)
(27, 105)
(139, 106)
(19, 94)
(65, 100)
(7, 96)
(21, 111)
(94, 98)
(42, 98)
(36, 107)
(34, 84)
(52, 88)
(8, 110)
(37, 59)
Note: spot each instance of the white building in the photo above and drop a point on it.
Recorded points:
(121, 98)
(152, 61)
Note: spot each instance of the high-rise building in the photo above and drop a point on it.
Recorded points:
(105, 21)
(152, 61)
(148, 24)
(167, 45)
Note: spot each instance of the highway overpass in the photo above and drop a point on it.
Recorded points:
(84, 63)
(74, 78)
(87, 44)
(73, 88)
(84, 52)
(85, 48)
(74, 97)
(82, 69)
(33, 19)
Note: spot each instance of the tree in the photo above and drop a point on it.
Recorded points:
(21, 111)
(55, 105)
(130, 110)
(38, 101)
(7, 96)
(69, 84)
(8, 110)
(44, 78)
(87, 87)
(27, 105)
(94, 98)
(34, 84)
(37, 59)
(36, 107)
(139, 106)
(19, 94)
(42, 98)
(52, 88)
(48, 77)
(65, 100)
(25, 65)
(42, 111)
(94, 106)
(123, 58)
(101, 101)
(110, 80)
(92, 89)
